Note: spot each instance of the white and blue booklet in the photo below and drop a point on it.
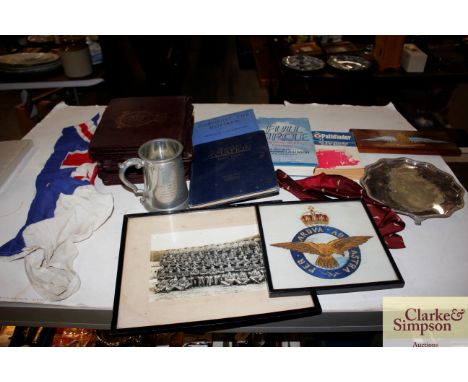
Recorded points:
(291, 144)
(224, 126)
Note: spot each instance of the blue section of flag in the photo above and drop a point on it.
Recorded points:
(50, 183)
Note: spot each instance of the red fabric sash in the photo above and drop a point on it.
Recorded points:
(322, 187)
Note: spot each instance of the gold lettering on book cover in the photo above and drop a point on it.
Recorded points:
(229, 151)
(133, 119)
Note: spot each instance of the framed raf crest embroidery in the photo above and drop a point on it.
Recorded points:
(324, 246)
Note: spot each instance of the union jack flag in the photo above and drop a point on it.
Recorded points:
(68, 168)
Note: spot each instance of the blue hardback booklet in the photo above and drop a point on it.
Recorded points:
(291, 144)
(225, 126)
(230, 170)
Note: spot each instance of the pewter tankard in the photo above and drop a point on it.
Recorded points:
(165, 188)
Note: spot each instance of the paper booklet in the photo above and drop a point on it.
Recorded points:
(337, 154)
(291, 144)
(224, 126)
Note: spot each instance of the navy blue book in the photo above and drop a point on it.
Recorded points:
(231, 170)
(224, 126)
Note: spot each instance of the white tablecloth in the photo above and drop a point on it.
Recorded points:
(434, 262)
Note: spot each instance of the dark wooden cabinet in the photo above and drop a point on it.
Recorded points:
(414, 94)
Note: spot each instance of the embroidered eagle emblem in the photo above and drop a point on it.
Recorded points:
(325, 250)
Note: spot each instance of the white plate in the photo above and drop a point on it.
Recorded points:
(31, 69)
(41, 39)
(24, 60)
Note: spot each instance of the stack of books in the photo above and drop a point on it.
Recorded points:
(127, 123)
(231, 161)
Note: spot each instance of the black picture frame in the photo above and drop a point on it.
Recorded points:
(149, 238)
(292, 269)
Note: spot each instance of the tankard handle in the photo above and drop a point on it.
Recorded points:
(138, 163)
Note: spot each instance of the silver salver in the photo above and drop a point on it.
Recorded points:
(303, 63)
(349, 63)
(417, 189)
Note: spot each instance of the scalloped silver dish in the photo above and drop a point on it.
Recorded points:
(349, 63)
(303, 63)
(417, 189)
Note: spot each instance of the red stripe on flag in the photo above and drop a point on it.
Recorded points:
(75, 159)
(85, 130)
(93, 175)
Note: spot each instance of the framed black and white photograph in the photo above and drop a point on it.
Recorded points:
(194, 269)
(325, 246)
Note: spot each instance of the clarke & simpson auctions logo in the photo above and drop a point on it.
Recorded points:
(425, 321)
(416, 320)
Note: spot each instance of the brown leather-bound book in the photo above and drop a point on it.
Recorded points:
(127, 123)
